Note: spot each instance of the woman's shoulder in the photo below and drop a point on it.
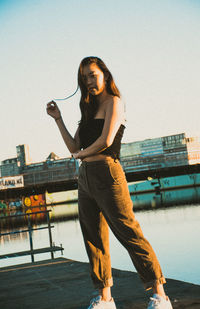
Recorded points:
(114, 100)
(116, 105)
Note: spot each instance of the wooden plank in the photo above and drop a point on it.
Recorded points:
(29, 252)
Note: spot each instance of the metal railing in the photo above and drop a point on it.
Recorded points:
(52, 248)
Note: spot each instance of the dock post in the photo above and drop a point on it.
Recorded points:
(30, 238)
(50, 235)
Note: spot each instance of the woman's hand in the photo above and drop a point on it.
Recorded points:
(53, 110)
(76, 155)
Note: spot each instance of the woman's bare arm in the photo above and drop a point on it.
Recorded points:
(73, 144)
(114, 117)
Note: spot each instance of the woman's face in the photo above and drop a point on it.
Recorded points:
(93, 78)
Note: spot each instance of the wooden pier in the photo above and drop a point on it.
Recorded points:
(65, 284)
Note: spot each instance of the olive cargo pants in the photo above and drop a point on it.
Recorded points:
(104, 199)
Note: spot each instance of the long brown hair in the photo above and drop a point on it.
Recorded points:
(88, 103)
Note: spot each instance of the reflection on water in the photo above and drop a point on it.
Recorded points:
(14, 227)
(141, 201)
(173, 233)
(57, 212)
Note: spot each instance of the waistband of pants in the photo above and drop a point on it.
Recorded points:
(103, 162)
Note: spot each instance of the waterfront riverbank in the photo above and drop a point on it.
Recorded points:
(65, 284)
(175, 247)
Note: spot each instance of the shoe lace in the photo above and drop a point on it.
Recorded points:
(155, 302)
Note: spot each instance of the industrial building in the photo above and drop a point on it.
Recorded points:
(157, 153)
(19, 171)
(162, 152)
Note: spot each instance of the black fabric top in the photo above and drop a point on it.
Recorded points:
(90, 131)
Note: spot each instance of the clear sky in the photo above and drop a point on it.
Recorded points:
(152, 49)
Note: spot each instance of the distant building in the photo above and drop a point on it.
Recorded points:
(53, 169)
(15, 166)
(23, 155)
(9, 167)
(193, 148)
(156, 153)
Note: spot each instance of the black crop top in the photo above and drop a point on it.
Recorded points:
(90, 131)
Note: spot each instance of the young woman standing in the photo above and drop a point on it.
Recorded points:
(103, 195)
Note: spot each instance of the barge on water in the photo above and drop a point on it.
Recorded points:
(152, 193)
(167, 191)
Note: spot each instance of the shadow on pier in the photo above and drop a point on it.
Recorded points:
(65, 284)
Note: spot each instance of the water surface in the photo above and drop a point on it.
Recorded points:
(173, 232)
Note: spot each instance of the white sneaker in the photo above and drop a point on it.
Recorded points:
(159, 302)
(97, 303)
